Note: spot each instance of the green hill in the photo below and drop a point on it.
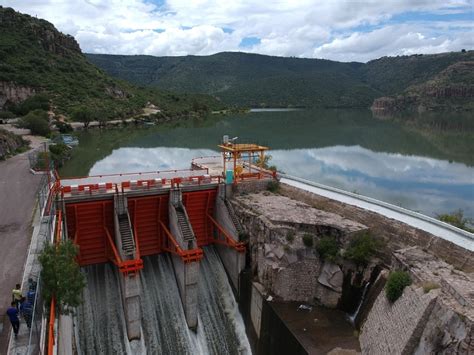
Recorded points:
(259, 80)
(35, 57)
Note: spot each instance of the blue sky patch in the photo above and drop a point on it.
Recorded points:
(249, 42)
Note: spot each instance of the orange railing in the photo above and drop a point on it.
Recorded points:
(52, 318)
(125, 266)
(186, 255)
(223, 237)
(52, 310)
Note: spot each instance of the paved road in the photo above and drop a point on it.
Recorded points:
(17, 198)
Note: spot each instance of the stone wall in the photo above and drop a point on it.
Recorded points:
(281, 262)
(396, 328)
(446, 332)
(394, 234)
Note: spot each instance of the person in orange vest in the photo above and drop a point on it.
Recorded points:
(16, 296)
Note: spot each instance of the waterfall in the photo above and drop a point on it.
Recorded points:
(100, 319)
(352, 317)
(101, 322)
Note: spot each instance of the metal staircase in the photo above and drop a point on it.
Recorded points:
(128, 245)
(233, 216)
(124, 227)
(183, 224)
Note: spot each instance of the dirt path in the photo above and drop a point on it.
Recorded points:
(17, 199)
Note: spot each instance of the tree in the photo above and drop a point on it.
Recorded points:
(61, 276)
(84, 115)
(362, 247)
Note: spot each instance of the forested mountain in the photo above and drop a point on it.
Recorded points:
(259, 80)
(36, 58)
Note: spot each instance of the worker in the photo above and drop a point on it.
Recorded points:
(16, 296)
(12, 313)
(26, 310)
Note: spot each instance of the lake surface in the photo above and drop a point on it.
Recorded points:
(427, 172)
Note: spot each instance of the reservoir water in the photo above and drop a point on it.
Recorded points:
(425, 171)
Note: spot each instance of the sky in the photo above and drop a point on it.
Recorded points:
(343, 30)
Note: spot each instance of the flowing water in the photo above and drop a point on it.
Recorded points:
(102, 326)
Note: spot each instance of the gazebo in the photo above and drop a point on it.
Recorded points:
(242, 160)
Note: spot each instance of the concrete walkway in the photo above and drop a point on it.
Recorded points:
(17, 200)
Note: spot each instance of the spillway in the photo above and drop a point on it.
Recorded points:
(101, 324)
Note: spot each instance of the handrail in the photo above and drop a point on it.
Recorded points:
(59, 227)
(228, 240)
(52, 318)
(137, 246)
(125, 266)
(118, 260)
(125, 174)
(52, 310)
(186, 255)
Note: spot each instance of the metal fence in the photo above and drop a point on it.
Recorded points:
(33, 270)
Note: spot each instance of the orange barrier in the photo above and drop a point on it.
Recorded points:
(186, 255)
(224, 238)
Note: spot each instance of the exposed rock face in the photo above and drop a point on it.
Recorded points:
(283, 264)
(10, 93)
(434, 316)
(9, 143)
(331, 276)
(51, 39)
(452, 89)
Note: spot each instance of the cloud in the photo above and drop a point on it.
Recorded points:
(303, 28)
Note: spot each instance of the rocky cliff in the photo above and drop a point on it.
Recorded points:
(9, 143)
(450, 90)
(11, 93)
(46, 34)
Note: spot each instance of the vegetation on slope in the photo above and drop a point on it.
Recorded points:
(259, 80)
(33, 54)
(248, 79)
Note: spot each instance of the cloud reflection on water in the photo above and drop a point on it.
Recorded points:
(422, 184)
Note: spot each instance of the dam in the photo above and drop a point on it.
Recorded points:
(162, 253)
(208, 260)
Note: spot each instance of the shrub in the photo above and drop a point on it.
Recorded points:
(37, 122)
(396, 283)
(6, 115)
(37, 102)
(327, 248)
(59, 153)
(456, 219)
(362, 247)
(290, 236)
(63, 127)
(273, 186)
(308, 240)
